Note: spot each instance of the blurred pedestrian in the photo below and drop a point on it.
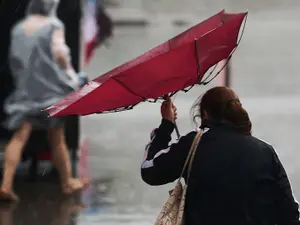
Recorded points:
(98, 27)
(40, 63)
(235, 179)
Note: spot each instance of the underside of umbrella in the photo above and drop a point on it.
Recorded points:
(176, 65)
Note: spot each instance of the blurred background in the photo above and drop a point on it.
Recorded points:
(263, 71)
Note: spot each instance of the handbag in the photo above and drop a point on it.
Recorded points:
(172, 212)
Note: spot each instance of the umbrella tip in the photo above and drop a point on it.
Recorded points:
(46, 113)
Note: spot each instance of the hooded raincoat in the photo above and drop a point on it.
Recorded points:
(37, 47)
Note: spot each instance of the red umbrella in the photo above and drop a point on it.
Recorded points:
(174, 65)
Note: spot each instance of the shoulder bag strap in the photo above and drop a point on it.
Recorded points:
(190, 157)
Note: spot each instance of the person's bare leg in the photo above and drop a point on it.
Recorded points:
(6, 215)
(12, 157)
(61, 161)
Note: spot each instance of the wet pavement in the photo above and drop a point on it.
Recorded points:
(265, 74)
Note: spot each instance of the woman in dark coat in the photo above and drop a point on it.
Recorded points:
(236, 179)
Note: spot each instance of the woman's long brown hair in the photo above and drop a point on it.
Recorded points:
(222, 105)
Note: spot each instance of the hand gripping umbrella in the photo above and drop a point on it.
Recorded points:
(178, 64)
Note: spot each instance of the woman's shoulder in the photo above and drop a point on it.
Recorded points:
(261, 145)
(259, 141)
(193, 133)
(189, 137)
(56, 23)
(17, 26)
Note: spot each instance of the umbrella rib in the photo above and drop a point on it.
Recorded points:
(206, 81)
(128, 89)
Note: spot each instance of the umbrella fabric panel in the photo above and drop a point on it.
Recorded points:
(111, 95)
(134, 86)
(173, 65)
(183, 38)
(218, 45)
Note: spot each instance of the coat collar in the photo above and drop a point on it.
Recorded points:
(216, 124)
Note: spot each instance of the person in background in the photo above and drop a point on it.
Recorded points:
(236, 179)
(40, 63)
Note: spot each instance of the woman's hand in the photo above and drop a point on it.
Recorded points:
(168, 110)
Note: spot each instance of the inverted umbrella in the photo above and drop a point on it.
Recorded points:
(172, 66)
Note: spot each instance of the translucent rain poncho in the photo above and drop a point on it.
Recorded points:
(40, 63)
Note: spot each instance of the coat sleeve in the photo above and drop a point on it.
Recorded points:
(287, 209)
(163, 163)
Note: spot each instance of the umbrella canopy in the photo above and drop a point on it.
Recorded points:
(174, 65)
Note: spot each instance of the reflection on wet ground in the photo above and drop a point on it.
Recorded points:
(43, 203)
(40, 204)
